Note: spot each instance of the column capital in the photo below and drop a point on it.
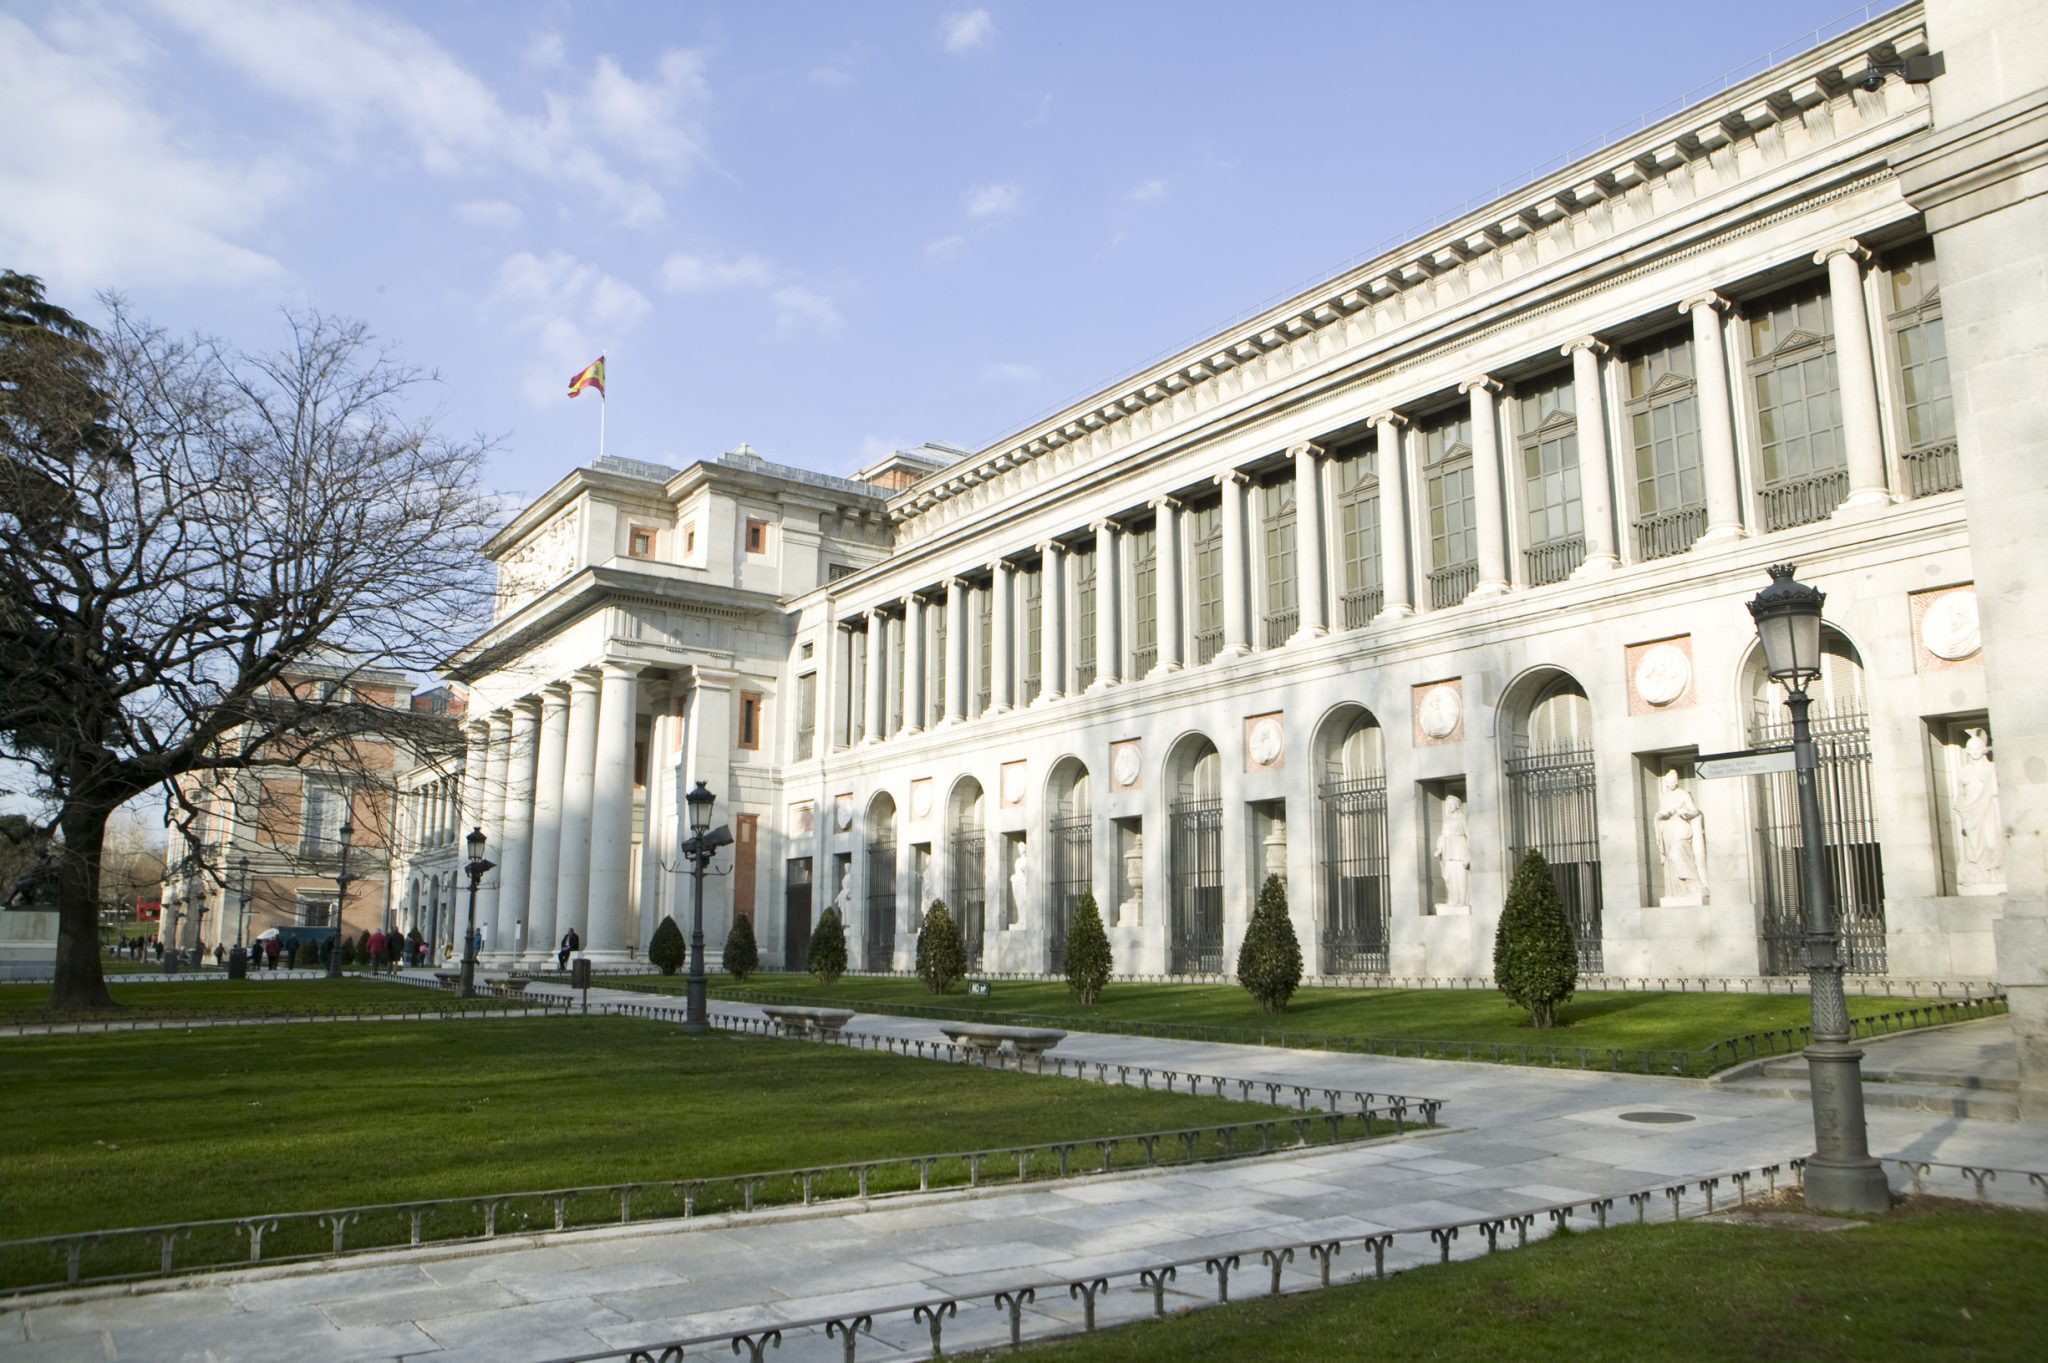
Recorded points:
(1481, 383)
(527, 705)
(612, 667)
(1050, 547)
(1238, 476)
(557, 691)
(1306, 447)
(912, 599)
(477, 731)
(1848, 246)
(500, 722)
(1708, 299)
(955, 583)
(1104, 524)
(1390, 417)
(1166, 503)
(1591, 344)
(873, 614)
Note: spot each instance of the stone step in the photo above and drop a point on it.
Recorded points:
(1950, 1100)
(1794, 1067)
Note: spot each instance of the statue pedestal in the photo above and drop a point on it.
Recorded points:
(1681, 901)
(1446, 910)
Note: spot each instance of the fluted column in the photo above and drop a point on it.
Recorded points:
(913, 663)
(1396, 561)
(545, 864)
(871, 701)
(1489, 501)
(1596, 467)
(1166, 574)
(496, 756)
(1236, 567)
(611, 810)
(956, 650)
(579, 761)
(1717, 417)
(1311, 559)
(1857, 375)
(1052, 621)
(1002, 679)
(515, 860)
(1108, 664)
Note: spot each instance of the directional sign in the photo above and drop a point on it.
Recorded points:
(1752, 762)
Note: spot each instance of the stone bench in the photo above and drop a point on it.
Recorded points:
(986, 1038)
(506, 989)
(821, 1023)
(448, 979)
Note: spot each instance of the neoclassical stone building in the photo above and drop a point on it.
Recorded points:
(1439, 561)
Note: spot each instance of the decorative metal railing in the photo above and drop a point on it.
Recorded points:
(1938, 468)
(1553, 560)
(1449, 586)
(1208, 643)
(1281, 625)
(1143, 660)
(1802, 501)
(1664, 533)
(1360, 607)
(37, 1020)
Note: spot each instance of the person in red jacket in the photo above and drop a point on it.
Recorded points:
(377, 945)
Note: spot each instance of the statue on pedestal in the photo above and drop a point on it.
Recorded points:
(1454, 856)
(1019, 885)
(1980, 859)
(1681, 844)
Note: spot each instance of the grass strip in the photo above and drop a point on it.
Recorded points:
(26, 1005)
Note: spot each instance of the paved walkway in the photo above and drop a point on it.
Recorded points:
(1517, 1139)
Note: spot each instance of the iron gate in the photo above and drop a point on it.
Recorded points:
(881, 871)
(968, 892)
(796, 915)
(1073, 848)
(1551, 810)
(1355, 900)
(1197, 945)
(1855, 861)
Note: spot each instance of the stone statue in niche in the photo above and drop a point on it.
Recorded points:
(1454, 856)
(1980, 859)
(842, 898)
(1681, 844)
(1134, 878)
(1020, 884)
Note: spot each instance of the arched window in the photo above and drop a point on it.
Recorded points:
(1072, 837)
(967, 869)
(1352, 933)
(1551, 799)
(1196, 814)
(880, 852)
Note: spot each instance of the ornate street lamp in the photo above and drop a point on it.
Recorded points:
(341, 883)
(475, 868)
(702, 844)
(238, 954)
(1840, 1175)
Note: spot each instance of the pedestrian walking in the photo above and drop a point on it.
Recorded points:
(272, 951)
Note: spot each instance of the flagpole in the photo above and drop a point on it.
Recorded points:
(601, 399)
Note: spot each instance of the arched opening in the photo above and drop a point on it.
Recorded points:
(1552, 809)
(1070, 833)
(1195, 817)
(879, 851)
(967, 867)
(1840, 719)
(1354, 918)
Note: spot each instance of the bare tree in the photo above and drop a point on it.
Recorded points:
(186, 532)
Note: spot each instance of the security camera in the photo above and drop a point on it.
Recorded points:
(1871, 81)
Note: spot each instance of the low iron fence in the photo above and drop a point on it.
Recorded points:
(35, 1021)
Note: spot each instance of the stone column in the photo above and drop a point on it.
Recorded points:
(1166, 574)
(1717, 417)
(878, 659)
(1489, 501)
(515, 858)
(579, 760)
(611, 811)
(1002, 681)
(1311, 561)
(1596, 467)
(1396, 562)
(1108, 666)
(956, 650)
(545, 868)
(1237, 639)
(1862, 431)
(496, 757)
(913, 663)
(1052, 621)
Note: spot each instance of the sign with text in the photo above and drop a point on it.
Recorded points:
(1753, 762)
(978, 988)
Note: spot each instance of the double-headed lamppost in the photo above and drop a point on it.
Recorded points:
(1840, 1175)
(475, 868)
(341, 883)
(702, 844)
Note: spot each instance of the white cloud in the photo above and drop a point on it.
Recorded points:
(570, 310)
(492, 214)
(546, 49)
(686, 273)
(1008, 371)
(798, 309)
(967, 30)
(1146, 191)
(945, 248)
(992, 201)
(101, 193)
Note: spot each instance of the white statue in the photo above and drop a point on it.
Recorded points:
(1980, 864)
(1134, 879)
(1681, 844)
(1454, 856)
(1019, 885)
(843, 898)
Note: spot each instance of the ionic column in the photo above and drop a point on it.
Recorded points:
(1052, 621)
(1237, 639)
(956, 650)
(496, 760)
(1596, 468)
(1108, 666)
(877, 661)
(545, 870)
(1861, 428)
(579, 761)
(515, 860)
(913, 663)
(1396, 563)
(1002, 685)
(611, 808)
(1717, 417)
(1311, 563)
(1489, 502)
(1166, 573)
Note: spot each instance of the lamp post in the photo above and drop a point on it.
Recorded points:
(702, 844)
(341, 881)
(242, 913)
(173, 914)
(1840, 1175)
(475, 869)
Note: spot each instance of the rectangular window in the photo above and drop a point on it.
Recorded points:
(1276, 519)
(1798, 405)
(984, 646)
(1664, 431)
(690, 540)
(322, 811)
(1926, 403)
(315, 911)
(1032, 581)
(1547, 436)
(1205, 555)
(1358, 528)
(835, 571)
(640, 541)
(757, 536)
(806, 714)
(1083, 563)
(1453, 523)
(1144, 550)
(750, 721)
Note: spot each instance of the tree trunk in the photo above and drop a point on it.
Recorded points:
(80, 983)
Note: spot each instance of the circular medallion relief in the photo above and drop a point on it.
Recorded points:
(1662, 674)
(1013, 784)
(921, 799)
(1124, 766)
(1440, 711)
(1949, 628)
(842, 812)
(1266, 741)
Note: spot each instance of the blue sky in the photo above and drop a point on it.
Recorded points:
(825, 229)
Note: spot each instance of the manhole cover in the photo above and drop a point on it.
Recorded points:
(1658, 1118)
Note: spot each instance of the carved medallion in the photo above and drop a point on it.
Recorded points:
(1949, 630)
(921, 798)
(842, 811)
(1662, 674)
(1125, 764)
(1440, 711)
(1013, 782)
(1264, 740)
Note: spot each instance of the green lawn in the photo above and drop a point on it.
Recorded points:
(125, 1129)
(1952, 1284)
(219, 997)
(1628, 1021)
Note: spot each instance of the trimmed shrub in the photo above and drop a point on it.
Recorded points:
(742, 958)
(1088, 962)
(1535, 960)
(665, 948)
(1269, 961)
(828, 947)
(941, 957)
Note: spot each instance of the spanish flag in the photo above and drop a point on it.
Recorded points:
(591, 376)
